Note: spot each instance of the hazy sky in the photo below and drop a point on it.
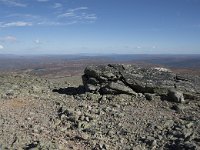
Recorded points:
(99, 26)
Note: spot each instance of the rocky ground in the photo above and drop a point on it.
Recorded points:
(106, 112)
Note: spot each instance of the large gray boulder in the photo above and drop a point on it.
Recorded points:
(131, 79)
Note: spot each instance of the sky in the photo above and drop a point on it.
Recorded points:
(100, 26)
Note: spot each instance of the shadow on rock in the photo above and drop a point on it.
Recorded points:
(70, 90)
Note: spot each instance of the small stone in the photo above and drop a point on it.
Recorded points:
(140, 95)
(179, 108)
(100, 146)
(187, 132)
(78, 113)
(139, 147)
(85, 136)
(169, 124)
(190, 146)
(175, 96)
(111, 133)
(82, 118)
(160, 137)
(104, 98)
(189, 125)
(154, 144)
(36, 89)
(150, 138)
(91, 87)
(89, 108)
(159, 127)
(149, 96)
(63, 129)
(87, 119)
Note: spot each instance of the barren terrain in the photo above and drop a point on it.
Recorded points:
(52, 110)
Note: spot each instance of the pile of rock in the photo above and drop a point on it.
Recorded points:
(130, 79)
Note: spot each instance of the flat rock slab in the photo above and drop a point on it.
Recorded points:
(130, 79)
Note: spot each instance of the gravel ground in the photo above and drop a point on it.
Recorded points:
(35, 117)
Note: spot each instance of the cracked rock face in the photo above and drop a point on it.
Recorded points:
(130, 79)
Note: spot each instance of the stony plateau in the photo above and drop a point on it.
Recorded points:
(115, 107)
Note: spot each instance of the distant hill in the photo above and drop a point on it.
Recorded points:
(75, 64)
(183, 61)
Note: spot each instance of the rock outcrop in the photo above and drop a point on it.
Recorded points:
(130, 79)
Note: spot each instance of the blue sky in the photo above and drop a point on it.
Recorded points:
(99, 26)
